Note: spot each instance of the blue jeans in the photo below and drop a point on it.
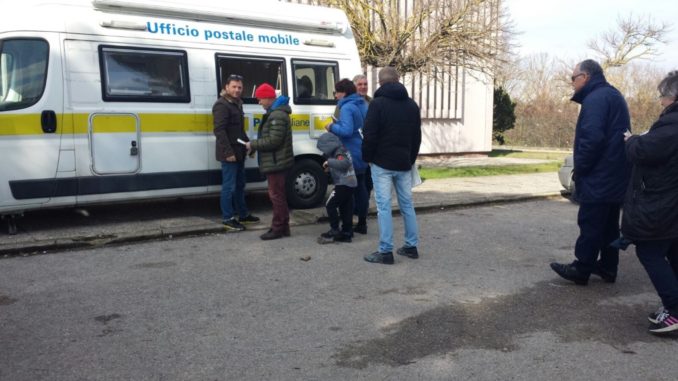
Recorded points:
(384, 180)
(233, 190)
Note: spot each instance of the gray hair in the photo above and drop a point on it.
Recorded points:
(590, 67)
(668, 87)
(359, 77)
(388, 74)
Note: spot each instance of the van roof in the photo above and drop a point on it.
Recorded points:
(262, 13)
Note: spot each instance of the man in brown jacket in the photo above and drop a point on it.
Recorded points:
(228, 129)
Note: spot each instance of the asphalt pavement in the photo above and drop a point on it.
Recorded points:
(480, 303)
(93, 226)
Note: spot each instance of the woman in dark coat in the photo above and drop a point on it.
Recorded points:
(650, 217)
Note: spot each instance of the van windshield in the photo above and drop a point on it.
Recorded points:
(23, 71)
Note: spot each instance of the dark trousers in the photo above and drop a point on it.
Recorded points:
(276, 192)
(598, 227)
(660, 259)
(361, 198)
(340, 204)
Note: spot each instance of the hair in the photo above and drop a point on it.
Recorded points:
(231, 78)
(345, 86)
(388, 74)
(590, 67)
(668, 87)
(359, 77)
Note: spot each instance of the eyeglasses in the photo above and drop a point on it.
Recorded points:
(577, 75)
(235, 77)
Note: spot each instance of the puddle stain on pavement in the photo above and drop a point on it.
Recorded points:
(494, 323)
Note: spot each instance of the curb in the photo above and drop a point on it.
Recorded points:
(89, 242)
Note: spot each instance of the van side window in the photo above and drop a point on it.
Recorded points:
(254, 72)
(23, 72)
(314, 82)
(143, 75)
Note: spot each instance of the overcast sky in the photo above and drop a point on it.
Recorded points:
(563, 28)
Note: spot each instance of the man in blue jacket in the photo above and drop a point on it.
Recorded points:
(601, 173)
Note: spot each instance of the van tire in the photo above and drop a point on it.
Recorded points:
(306, 184)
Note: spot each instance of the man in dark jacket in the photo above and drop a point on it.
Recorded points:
(228, 128)
(601, 173)
(391, 139)
(276, 157)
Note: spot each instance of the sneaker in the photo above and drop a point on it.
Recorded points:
(233, 225)
(410, 252)
(570, 273)
(360, 228)
(270, 234)
(250, 219)
(669, 323)
(377, 257)
(658, 315)
(608, 277)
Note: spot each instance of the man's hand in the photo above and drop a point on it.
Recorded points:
(627, 135)
(231, 159)
(248, 146)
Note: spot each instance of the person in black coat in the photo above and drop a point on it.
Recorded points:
(391, 140)
(650, 217)
(229, 126)
(601, 173)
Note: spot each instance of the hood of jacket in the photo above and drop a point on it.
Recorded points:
(328, 143)
(282, 102)
(354, 98)
(393, 90)
(596, 81)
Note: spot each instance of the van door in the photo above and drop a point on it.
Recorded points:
(114, 140)
(31, 116)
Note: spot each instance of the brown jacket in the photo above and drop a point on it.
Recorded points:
(228, 128)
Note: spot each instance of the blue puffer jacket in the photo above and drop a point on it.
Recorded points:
(352, 111)
(601, 171)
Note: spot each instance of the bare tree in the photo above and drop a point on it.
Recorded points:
(634, 38)
(428, 35)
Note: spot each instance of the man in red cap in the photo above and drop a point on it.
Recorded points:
(276, 157)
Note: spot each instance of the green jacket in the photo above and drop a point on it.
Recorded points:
(274, 141)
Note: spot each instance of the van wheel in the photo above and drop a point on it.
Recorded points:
(306, 184)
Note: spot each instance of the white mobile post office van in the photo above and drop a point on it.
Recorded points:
(111, 100)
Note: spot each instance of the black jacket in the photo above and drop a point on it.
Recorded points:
(601, 171)
(651, 204)
(392, 129)
(228, 128)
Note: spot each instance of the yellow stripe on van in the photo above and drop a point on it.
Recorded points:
(29, 124)
(114, 123)
(20, 124)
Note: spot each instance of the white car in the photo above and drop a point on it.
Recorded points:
(565, 175)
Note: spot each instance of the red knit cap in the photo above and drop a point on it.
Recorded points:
(265, 91)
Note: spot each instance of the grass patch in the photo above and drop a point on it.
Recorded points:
(559, 156)
(487, 170)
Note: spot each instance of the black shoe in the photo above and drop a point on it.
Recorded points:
(377, 257)
(270, 234)
(607, 276)
(250, 219)
(570, 273)
(410, 252)
(360, 228)
(330, 234)
(343, 237)
(233, 225)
